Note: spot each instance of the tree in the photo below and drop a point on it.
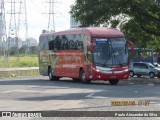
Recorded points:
(33, 50)
(139, 37)
(23, 49)
(141, 15)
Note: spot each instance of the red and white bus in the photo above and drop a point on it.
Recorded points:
(93, 53)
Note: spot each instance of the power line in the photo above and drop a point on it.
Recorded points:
(51, 15)
(51, 22)
(37, 6)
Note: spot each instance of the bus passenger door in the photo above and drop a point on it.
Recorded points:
(44, 62)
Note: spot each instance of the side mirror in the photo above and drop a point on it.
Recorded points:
(92, 46)
(156, 65)
(131, 45)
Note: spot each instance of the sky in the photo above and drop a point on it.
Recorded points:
(37, 17)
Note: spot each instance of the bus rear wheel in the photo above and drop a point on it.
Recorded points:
(82, 77)
(51, 75)
(113, 82)
(75, 79)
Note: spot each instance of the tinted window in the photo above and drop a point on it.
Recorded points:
(65, 42)
(137, 65)
(55, 43)
(144, 66)
(51, 42)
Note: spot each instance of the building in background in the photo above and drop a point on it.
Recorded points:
(25, 47)
(31, 42)
(74, 23)
(11, 42)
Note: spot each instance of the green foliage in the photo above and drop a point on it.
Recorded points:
(23, 49)
(141, 39)
(31, 50)
(138, 19)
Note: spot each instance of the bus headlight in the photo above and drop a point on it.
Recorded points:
(97, 70)
(125, 70)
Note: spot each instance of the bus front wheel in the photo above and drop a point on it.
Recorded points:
(82, 77)
(51, 75)
(113, 82)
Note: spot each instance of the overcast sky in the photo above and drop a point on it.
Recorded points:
(38, 20)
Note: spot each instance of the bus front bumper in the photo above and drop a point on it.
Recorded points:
(99, 75)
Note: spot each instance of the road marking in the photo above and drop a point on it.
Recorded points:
(136, 91)
(131, 83)
(8, 91)
(33, 86)
(92, 96)
(150, 84)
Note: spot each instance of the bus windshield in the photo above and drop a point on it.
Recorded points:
(110, 52)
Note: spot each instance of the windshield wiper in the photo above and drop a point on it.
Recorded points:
(115, 58)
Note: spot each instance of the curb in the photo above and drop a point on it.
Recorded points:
(14, 72)
(146, 80)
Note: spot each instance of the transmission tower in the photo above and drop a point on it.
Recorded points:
(3, 35)
(12, 32)
(22, 26)
(51, 23)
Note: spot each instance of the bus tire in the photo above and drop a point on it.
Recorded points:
(51, 75)
(82, 77)
(75, 79)
(131, 73)
(113, 82)
(138, 75)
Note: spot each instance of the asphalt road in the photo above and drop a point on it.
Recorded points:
(37, 93)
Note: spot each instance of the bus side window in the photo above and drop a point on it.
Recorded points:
(71, 44)
(80, 45)
(66, 44)
(51, 45)
(57, 43)
(63, 38)
(51, 42)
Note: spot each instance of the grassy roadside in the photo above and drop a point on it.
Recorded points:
(23, 61)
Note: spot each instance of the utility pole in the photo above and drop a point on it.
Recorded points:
(12, 32)
(3, 35)
(51, 23)
(22, 26)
